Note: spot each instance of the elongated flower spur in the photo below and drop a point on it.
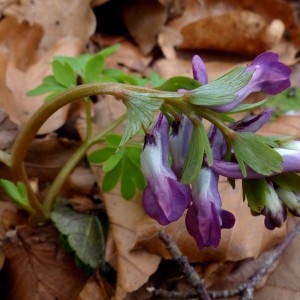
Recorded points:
(166, 198)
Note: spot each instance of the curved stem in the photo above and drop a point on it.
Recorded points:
(71, 164)
(31, 128)
(88, 114)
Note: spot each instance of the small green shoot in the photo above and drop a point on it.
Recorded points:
(17, 192)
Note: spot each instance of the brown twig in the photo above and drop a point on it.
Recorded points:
(193, 278)
(244, 290)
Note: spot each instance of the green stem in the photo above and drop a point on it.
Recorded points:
(30, 129)
(193, 111)
(71, 164)
(88, 114)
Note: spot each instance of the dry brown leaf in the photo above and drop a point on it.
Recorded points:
(59, 19)
(144, 20)
(10, 217)
(134, 267)
(23, 69)
(46, 156)
(196, 11)
(284, 282)
(129, 58)
(21, 82)
(38, 268)
(95, 3)
(241, 31)
(8, 132)
(96, 288)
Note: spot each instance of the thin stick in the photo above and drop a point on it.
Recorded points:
(245, 289)
(196, 282)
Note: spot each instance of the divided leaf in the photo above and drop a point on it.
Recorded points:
(140, 111)
(198, 146)
(48, 85)
(120, 164)
(255, 151)
(286, 101)
(254, 189)
(64, 74)
(179, 82)
(222, 90)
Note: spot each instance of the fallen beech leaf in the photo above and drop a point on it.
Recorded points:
(38, 268)
(241, 31)
(134, 267)
(283, 283)
(8, 132)
(19, 82)
(129, 58)
(10, 217)
(84, 233)
(96, 288)
(46, 156)
(144, 29)
(62, 19)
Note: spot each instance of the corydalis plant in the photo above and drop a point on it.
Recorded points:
(198, 157)
(232, 150)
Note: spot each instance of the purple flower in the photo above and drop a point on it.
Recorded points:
(205, 217)
(269, 76)
(179, 143)
(164, 198)
(199, 70)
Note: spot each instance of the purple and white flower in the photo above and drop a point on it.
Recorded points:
(164, 198)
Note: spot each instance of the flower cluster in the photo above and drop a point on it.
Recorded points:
(166, 198)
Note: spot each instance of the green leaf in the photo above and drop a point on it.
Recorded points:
(223, 90)
(93, 68)
(254, 151)
(113, 140)
(108, 51)
(179, 82)
(134, 155)
(101, 155)
(155, 79)
(198, 146)
(138, 177)
(285, 102)
(77, 63)
(48, 85)
(255, 191)
(289, 181)
(140, 109)
(113, 160)
(111, 178)
(17, 192)
(63, 74)
(122, 77)
(84, 232)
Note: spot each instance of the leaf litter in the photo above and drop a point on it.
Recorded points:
(38, 267)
